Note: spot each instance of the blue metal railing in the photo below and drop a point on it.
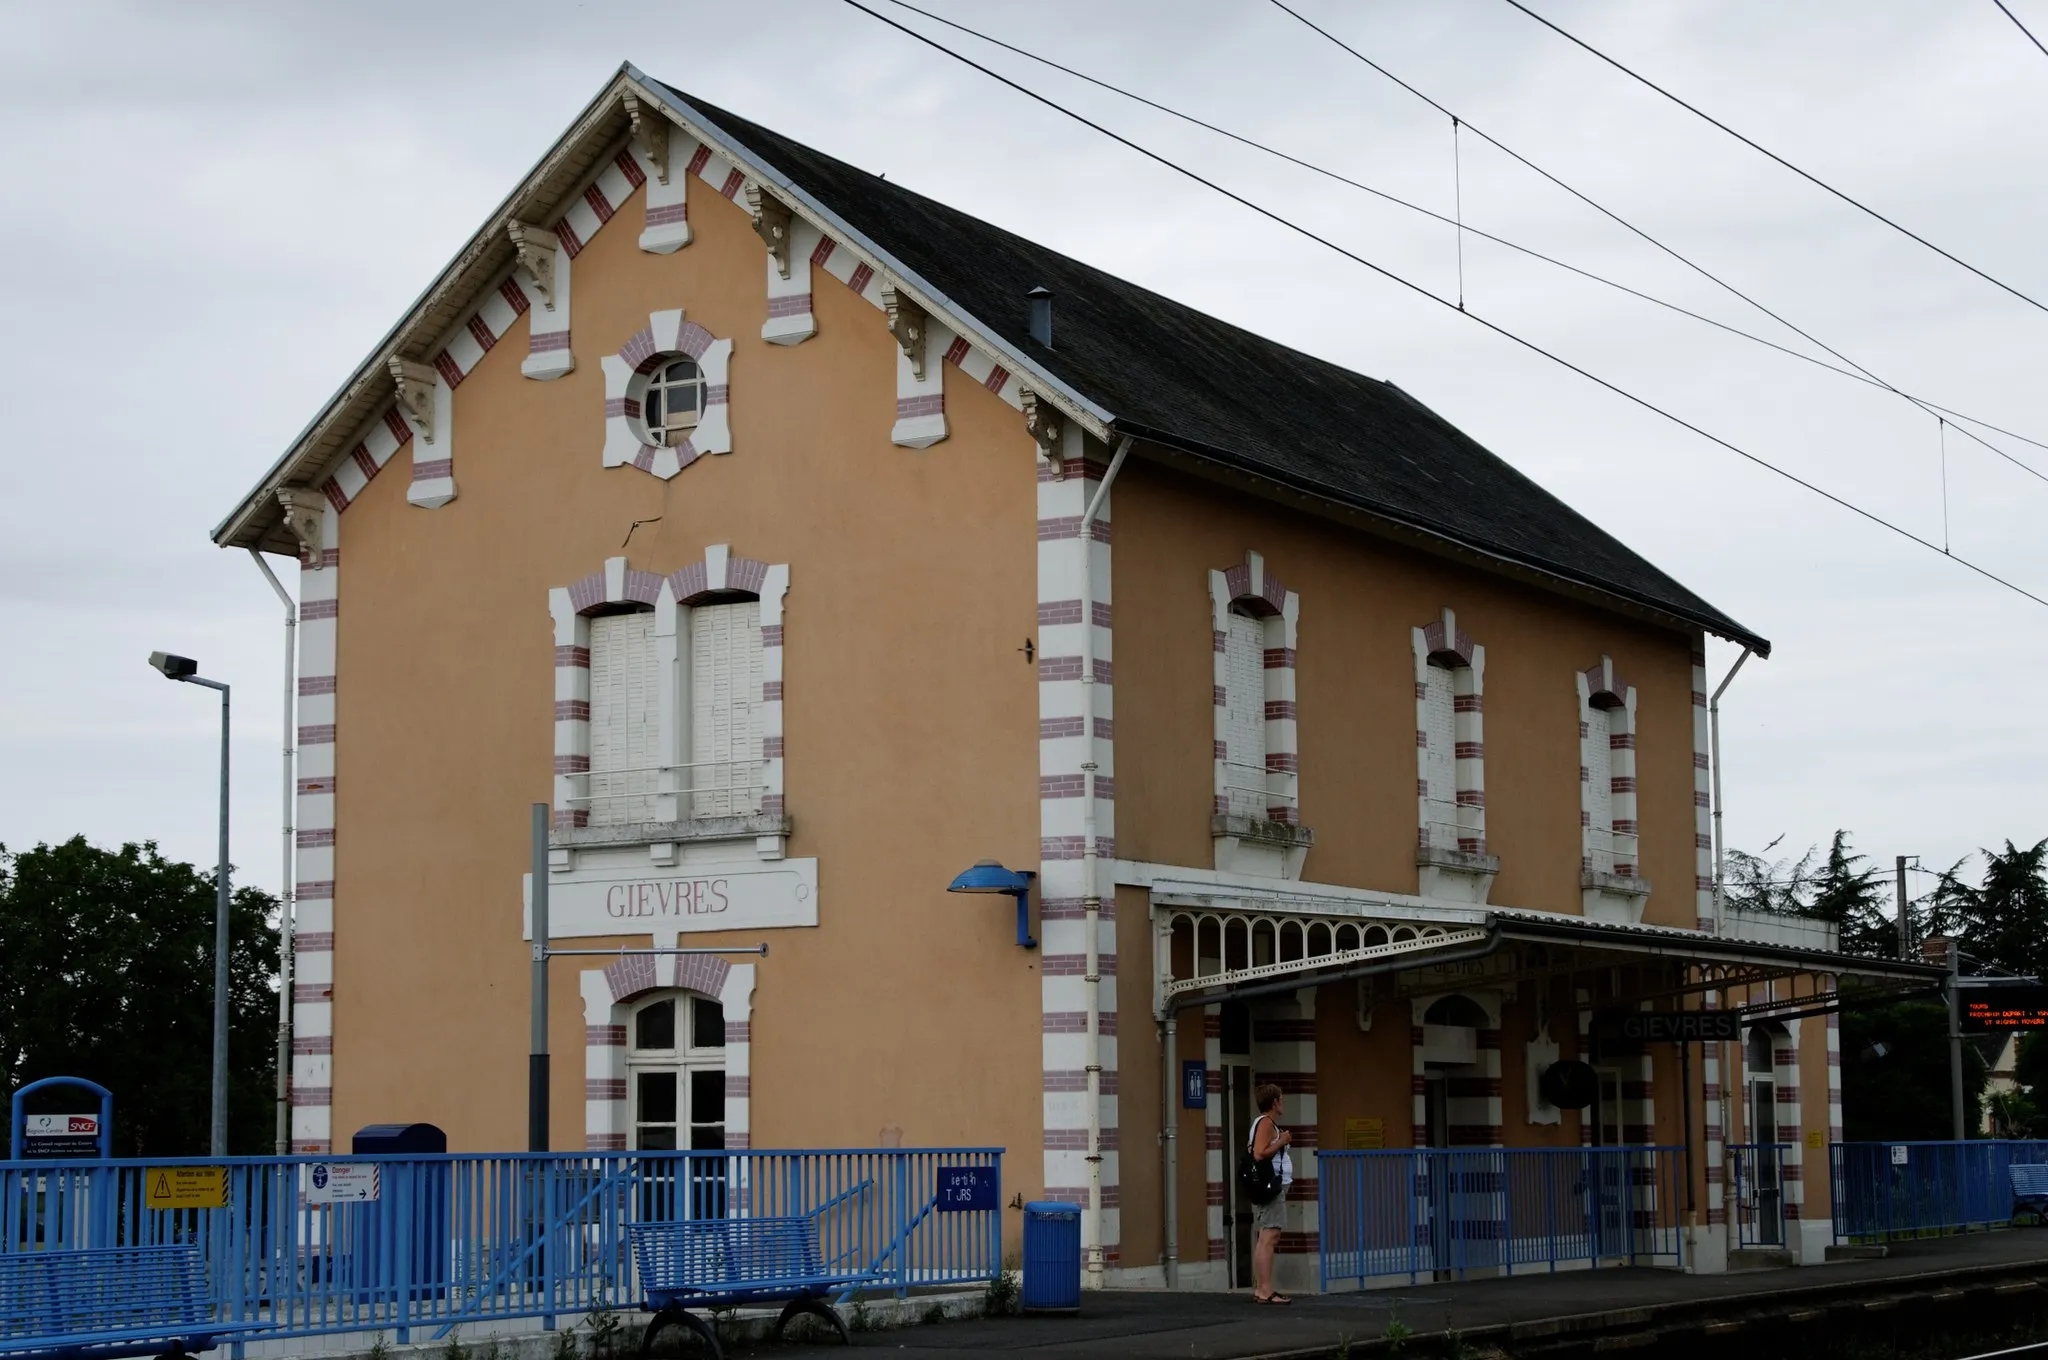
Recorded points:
(1427, 1212)
(467, 1238)
(1757, 1175)
(1884, 1190)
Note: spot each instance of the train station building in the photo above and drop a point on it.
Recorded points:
(803, 542)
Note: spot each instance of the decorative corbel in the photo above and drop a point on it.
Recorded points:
(1045, 425)
(908, 323)
(651, 130)
(536, 247)
(415, 393)
(305, 514)
(771, 224)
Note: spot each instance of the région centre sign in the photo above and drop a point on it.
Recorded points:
(749, 895)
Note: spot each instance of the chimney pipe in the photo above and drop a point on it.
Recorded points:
(1041, 315)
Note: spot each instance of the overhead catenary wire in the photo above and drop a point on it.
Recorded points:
(1623, 222)
(1418, 289)
(1463, 227)
(1458, 200)
(1813, 179)
(1941, 432)
(2020, 26)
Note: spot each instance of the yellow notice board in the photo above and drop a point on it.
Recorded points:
(1365, 1133)
(1816, 1138)
(185, 1187)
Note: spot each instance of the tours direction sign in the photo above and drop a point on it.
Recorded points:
(1671, 1027)
(2000, 1008)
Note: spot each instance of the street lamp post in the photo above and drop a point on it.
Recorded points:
(186, 670)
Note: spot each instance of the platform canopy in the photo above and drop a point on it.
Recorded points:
(1215, 941)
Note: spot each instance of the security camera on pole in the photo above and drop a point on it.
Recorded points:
(186, 670)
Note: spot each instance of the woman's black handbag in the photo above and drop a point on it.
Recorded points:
(1260, 1177)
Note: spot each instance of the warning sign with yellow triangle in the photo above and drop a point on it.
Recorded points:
(185, 1187)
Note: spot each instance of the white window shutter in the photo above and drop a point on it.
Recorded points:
(1440, 729)
(1599, 758)
(624, 735)
(1244, 657)
(725, 708)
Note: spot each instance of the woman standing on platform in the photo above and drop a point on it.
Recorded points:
(1269, 1141)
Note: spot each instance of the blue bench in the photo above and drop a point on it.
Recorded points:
(2030, 1190)
(732, 1262)
(104, 1302)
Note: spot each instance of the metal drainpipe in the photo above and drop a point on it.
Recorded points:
(1091, 892)
(1714, 743)
(1728, 1053)
(1169, 1121)
(288, 893)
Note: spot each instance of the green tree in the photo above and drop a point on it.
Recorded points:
(2003, 920)
(106, 972)
(2030, 1068)
(1895, 1081)
(1760, 883)
(1843, 889)
(1854, 900)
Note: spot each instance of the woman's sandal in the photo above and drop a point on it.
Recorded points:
(1272, 1299)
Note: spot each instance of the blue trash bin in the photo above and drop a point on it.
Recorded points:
(1052, 1257)
(384, 1249)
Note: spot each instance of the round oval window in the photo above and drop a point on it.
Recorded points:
(673, 402)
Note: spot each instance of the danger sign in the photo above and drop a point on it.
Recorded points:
(185, 1187)
(341, 1182)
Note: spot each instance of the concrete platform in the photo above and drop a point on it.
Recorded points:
(1523, 1310)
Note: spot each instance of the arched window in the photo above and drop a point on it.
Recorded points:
(1612, 886)
(668, 696)
(1451, 857)
(1757, 1052)
(1455, 1009)
(675, 1073)
(1256, 816)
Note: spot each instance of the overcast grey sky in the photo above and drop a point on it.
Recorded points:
(216, 209)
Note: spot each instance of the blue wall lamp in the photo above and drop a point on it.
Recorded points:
(987, 876)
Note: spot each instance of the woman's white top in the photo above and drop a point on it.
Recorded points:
(1281, 1159)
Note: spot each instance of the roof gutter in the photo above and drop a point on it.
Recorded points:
(1711, 948)
(1726, 629)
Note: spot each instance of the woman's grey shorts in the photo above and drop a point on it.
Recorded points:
(1273, 1215)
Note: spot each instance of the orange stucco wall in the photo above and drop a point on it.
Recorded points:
(910, 721)
(1355, 695)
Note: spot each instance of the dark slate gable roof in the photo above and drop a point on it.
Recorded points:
(1171, 374)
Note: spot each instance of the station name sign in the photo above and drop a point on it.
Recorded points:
(748, 895)
(1998, 1009)
(1671, 1027)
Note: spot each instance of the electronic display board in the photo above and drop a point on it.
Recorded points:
(1998, 1008)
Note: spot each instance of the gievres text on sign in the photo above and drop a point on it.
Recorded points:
(621, 900)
